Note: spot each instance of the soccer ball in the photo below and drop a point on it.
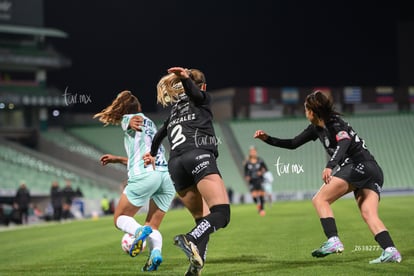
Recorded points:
(126, 242)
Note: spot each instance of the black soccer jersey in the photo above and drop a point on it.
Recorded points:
(338, 138)
(255, 170)
(189, 125)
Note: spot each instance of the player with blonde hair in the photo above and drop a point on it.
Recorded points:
(192, 163)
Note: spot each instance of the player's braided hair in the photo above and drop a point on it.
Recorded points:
(124, 103)
(170, 86)
(321, 105)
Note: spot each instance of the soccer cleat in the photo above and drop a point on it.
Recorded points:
(193, 271)
(154, 260)
(141, 234)
(333, 245)
(389, 255)
(191, 250)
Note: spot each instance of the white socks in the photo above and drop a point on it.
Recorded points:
(130, 225)
(127, 224)
(333, 239)
(155, 240)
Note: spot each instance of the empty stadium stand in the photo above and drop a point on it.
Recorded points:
(108, 139)
(65, 146)
(229, 160)
(38, 171)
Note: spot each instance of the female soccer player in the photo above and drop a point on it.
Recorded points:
(145, 183)
(192, 163)
(351, 168)
(254, 170)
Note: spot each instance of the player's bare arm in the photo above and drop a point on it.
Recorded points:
(109, 158)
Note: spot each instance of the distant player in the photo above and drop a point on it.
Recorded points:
(254, 169)
(351, 168)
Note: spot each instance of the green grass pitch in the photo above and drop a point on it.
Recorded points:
(279, 243)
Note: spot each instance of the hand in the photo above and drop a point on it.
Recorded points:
(180, 72)
(260, 134)
(149, 159)
(108, 158)
(326, 175)
(136, 122)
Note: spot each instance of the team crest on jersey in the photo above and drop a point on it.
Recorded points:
(342, 135)
(327, 143)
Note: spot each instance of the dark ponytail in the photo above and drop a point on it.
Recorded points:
(321, 105)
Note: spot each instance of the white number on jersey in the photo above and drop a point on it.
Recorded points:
(357, 139)
(177, 137)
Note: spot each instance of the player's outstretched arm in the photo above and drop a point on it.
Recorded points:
(109, 158)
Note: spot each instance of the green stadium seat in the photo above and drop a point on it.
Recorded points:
(229, 169)
(38, 175)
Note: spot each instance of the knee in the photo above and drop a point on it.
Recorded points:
(315, 201)
(319, 200)
(224, 211)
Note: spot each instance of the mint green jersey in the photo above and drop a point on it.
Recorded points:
(137, 143)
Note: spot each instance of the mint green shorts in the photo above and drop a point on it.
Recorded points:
(155, 185)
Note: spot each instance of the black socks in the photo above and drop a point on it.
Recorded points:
(384, 239)
(218, 218)
(329, 227)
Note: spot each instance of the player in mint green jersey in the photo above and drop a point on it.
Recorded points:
(145, 183)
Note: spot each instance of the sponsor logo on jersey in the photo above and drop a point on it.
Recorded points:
(202, 156)
(342, 135)
(200, 167)
(378, 187)
(360, 168)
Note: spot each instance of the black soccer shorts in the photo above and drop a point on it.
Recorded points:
(189, 168)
